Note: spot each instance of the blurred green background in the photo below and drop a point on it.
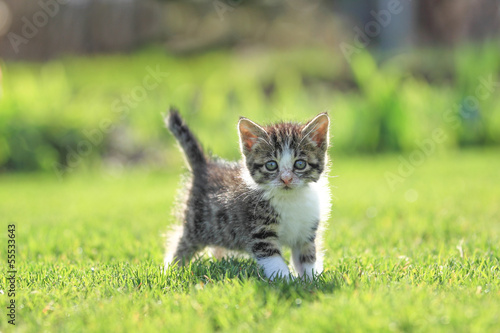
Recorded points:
(88, 172)
(69, 109)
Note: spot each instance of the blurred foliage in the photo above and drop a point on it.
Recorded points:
(79, 112)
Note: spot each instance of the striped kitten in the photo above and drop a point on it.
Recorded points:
(277, 195)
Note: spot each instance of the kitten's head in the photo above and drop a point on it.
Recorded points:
(285, 155)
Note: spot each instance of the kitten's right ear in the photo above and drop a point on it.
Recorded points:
(249, 133)
(317, 129)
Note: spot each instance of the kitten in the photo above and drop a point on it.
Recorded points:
(277, 195)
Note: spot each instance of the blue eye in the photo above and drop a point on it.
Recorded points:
(300, 164)
(271, 165)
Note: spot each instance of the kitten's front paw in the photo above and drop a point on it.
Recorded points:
(274, 267)
(310, 270)
(281, 274)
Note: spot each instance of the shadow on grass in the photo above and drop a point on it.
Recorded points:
(246, 270)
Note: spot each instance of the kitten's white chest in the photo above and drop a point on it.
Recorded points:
(299, 212)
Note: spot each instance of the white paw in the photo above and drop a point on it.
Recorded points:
(274, 267)
(310, 270)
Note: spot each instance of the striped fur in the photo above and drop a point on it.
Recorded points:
(191, 147)
(246, 206)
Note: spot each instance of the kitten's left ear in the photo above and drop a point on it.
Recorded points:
(249, 133)
(317, 129)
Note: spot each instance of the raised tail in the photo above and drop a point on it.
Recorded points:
(190, 145)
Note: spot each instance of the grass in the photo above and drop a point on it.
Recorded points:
(424, 257)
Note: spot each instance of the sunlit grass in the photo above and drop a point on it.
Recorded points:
(421, 257)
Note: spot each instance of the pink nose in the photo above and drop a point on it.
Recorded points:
(286, 178)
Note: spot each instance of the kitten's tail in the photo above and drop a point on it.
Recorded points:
(190, 145)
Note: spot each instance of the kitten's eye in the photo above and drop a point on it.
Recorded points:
(300, 164)
(271, 165)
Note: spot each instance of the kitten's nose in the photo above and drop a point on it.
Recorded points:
(286, 177)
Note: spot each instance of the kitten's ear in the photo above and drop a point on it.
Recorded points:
(317, 129)
(249, 133)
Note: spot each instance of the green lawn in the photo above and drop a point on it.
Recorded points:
(422, 257)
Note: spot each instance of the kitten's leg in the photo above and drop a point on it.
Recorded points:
(186, 249)
(304, 259)
(173, 237)
(268, 256)
(274, 266)
(297, 265)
